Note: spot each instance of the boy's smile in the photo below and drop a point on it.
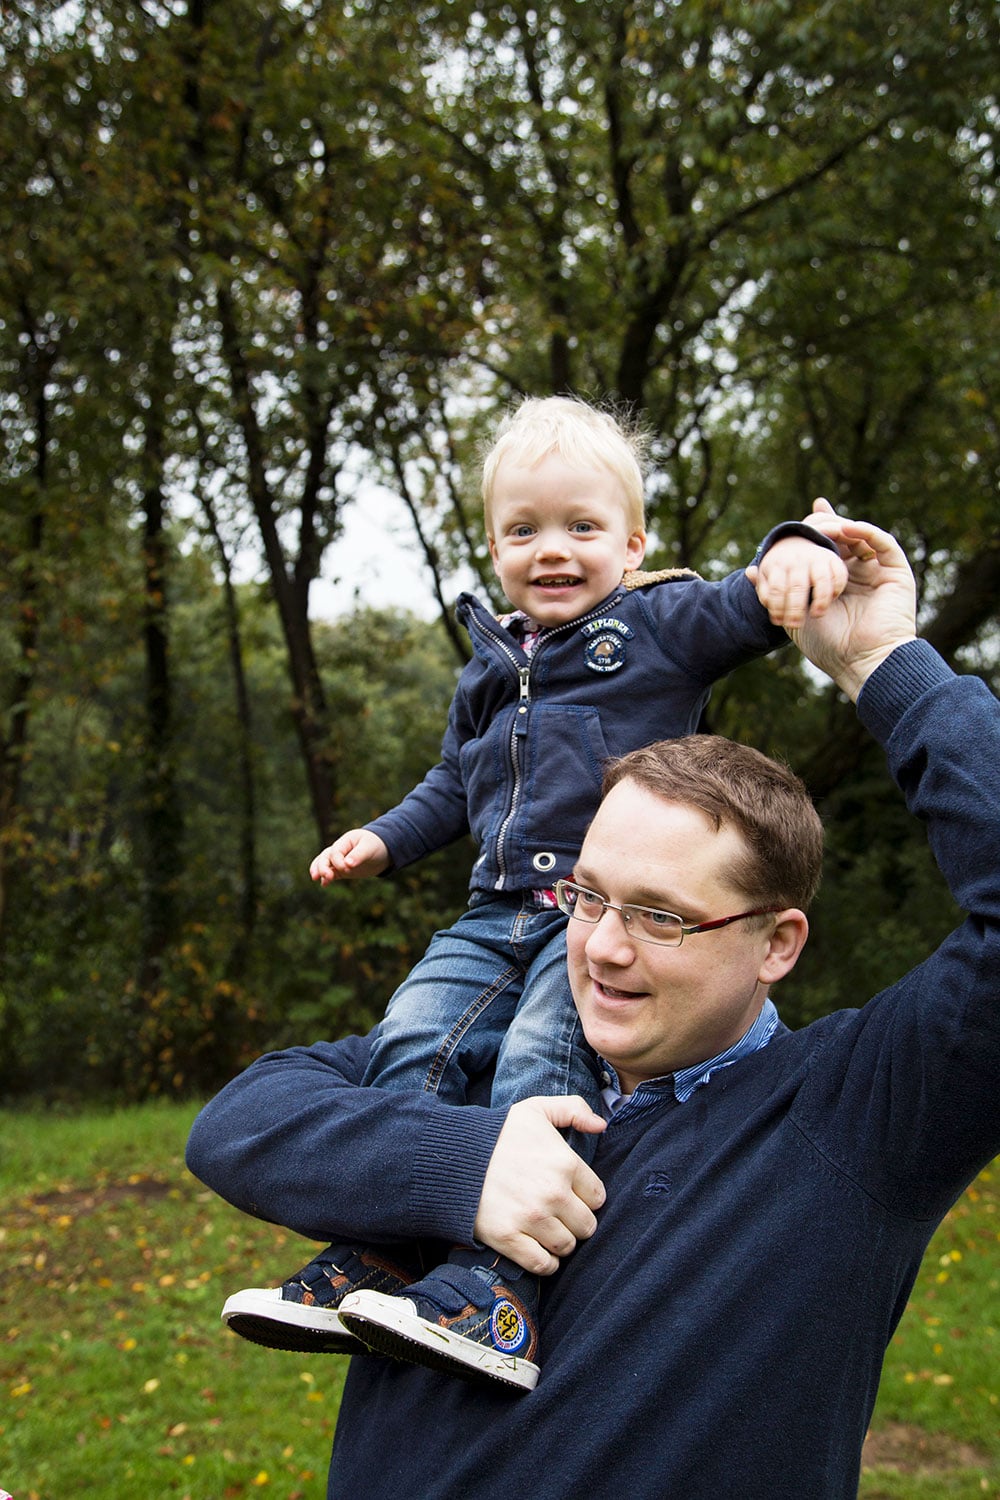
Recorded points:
(560, 537)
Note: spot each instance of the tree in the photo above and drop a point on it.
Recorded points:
(256, 256)
(663, 183)
(306, 305)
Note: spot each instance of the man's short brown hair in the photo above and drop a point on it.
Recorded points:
(736, 786)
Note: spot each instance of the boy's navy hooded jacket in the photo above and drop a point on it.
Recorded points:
(527, 739)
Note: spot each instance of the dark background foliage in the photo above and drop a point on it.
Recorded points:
(256, 258)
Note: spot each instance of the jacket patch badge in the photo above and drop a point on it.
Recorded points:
(605, 652)
(508, 1327)
(605, 648)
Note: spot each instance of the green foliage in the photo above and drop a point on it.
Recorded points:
(883, 905)
(257, 256)
(317, 962)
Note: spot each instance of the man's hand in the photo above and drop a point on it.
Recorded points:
(357, 852)
(539, 1197)
(875, 613)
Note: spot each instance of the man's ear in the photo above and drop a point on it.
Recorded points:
(788, 938)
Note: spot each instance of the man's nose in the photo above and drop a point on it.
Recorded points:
(610, 940)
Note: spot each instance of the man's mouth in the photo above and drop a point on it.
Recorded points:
(610, 992)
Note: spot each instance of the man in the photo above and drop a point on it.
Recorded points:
(732, 1268)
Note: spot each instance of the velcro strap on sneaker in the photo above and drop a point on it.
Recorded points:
(319, 1275)
(465, 1284)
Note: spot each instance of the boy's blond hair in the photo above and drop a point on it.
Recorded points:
(583, 435)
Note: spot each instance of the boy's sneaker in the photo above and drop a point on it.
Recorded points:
(479, 1322)
(302, 1314)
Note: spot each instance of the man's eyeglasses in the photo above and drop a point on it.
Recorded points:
(647, 923)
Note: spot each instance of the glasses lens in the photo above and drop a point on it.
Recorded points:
(578, 902)
(656, 926)
(645, 922)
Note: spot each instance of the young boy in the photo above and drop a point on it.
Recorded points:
(596, 659)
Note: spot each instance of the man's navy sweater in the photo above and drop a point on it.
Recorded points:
(723, 1332)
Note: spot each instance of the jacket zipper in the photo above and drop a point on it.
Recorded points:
(520, 724)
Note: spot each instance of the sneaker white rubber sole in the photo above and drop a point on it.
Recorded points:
(263, 1316)
(392, 1325)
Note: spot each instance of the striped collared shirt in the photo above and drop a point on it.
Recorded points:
(686, 1080)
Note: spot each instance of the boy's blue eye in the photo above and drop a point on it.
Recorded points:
(583, 526)
(523, 531)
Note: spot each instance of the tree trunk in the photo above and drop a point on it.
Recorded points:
(162, 814)
(308, 705)
(973, 602)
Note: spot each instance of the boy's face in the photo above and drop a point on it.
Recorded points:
(560, 540)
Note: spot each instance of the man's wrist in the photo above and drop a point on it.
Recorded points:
(449, 1167)
(852, 676)
(911, 669)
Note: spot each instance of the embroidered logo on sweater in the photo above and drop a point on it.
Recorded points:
(658, 1182)
(605, 648)
(508, 1328)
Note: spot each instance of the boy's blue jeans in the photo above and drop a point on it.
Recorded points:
(492, 986)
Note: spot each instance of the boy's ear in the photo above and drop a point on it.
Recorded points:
(635, 550)
(494, 554)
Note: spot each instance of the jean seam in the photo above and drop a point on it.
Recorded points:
(461, 1026)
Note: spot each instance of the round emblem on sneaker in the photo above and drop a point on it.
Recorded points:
(605, 652)
(509, 1327)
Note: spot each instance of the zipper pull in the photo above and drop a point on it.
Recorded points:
(523, 699)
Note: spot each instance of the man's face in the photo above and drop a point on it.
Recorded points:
(560, 540)
(647, 1009)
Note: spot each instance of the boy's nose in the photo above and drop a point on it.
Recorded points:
(552, 544)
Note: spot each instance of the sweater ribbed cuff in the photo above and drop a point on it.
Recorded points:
(912, 669)
(448, 1171)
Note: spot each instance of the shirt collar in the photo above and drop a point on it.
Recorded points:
(686, 1080)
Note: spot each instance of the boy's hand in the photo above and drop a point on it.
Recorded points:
(797, 580)
(357, 852)
(539, 1198)
(876, 612)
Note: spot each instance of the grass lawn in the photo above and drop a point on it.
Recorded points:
(117, 1379)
